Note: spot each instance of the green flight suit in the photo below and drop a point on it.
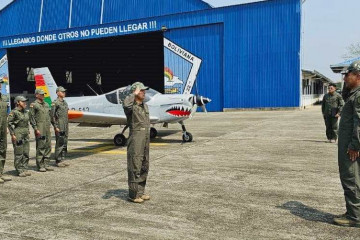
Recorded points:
(3, 134)
(332, 104)
(349, 139)
(18, 124)
(40, 120)
(138, 121)
(59, 119)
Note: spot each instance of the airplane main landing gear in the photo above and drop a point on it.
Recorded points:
(187, 137)
(153, 133)
(120, 139)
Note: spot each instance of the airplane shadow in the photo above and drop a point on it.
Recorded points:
(308, 213)
(118, 193)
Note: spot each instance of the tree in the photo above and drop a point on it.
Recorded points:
(353, 51)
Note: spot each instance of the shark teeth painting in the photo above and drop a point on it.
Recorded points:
(179, 111)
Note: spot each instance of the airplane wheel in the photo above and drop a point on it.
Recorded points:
(187, 137)
(153, 132)
(119, 140)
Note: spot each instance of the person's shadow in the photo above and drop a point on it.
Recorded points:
(307, 213)
(118, 193)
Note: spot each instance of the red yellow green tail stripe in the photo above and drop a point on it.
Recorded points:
(40, 84)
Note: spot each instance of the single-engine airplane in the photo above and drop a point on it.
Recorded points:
(106, 109)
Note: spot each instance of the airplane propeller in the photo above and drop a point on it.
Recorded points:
(199, 101)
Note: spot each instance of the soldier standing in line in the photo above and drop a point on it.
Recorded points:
(349, 147)
(3, 138)
(18, 124)
(331, 108)
(138, 120)
(40, 121)
(59, 120)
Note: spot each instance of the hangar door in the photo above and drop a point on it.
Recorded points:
(206, 43)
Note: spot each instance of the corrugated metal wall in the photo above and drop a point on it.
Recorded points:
(20, 18)
(206, 43)
(115, 10)
(23, 16)
(55, 15)
(91, 16)
(262, 63)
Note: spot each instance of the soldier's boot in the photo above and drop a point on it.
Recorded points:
(42, 170)
(145, 197)
(60, 164)
(28, 173)
(1, 181)
(22, 174)
(5, 178)
(136, 200)
(344, 221)
(66, 164)
(49, 169)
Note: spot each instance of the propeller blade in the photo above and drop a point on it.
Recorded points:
(204, 108)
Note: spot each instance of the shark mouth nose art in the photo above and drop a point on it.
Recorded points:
(179, 111)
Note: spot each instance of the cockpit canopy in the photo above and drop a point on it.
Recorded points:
(118, 96)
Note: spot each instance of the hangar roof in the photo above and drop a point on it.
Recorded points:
(337, 68)
(31, 16)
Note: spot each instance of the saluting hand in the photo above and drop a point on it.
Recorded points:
(137, 90)
(353, 154)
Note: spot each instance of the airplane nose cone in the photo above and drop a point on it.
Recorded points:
(201, 101)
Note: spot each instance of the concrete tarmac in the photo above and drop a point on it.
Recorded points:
(246, 175)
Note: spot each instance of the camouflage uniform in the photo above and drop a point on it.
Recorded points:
(40, 120)
(3, 133)
(138, 121)
(349, 131)
(59, 119)
(332, 104)
(18, 123)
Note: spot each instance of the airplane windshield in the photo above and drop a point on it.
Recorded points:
(150, 93)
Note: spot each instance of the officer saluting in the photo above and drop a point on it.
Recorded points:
(3, 137)
(349, 147)
(138, 120)
(18, 124)
(59, 120)
(40, 121)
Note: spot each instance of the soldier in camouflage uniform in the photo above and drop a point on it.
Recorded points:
(332, 105)
(18, 124)
(40, 121)
(3, 137)
(349, 147)
(59, 120)
(138, 120)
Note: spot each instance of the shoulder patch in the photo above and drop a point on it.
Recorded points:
(358, 99)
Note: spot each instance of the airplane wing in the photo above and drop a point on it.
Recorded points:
(99, 119)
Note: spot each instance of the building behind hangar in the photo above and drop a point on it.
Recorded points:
(244, 56)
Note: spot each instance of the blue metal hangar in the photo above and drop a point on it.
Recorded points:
(243, 56)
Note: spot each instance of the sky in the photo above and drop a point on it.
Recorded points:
(329, 27)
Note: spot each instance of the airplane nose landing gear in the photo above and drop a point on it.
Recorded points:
(187, 137)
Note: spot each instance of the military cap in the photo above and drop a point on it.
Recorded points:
(60, 89)
(354, 67)
(20, 99)
(138, 85)
(39, 91)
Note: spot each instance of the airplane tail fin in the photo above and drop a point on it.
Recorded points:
(45, 81)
